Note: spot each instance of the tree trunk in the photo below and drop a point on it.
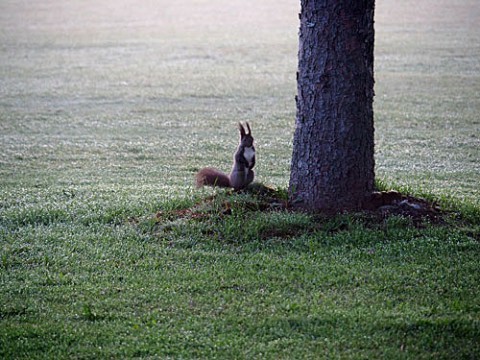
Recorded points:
(333, 148)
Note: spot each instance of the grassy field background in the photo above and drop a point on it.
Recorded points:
(108, 108)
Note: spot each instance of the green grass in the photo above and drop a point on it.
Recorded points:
(108, 109)
(238, 285)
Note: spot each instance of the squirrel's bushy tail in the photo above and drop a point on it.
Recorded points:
(211, 177)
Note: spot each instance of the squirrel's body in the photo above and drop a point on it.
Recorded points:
(243, 163)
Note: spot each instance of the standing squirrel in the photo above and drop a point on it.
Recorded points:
(243, 163)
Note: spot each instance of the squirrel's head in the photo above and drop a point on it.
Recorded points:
(245, 138)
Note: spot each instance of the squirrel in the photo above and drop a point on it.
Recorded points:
(243, 163)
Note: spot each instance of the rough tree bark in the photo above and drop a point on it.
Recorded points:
(333, 148)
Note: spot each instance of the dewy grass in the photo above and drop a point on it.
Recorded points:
(106, 116)
(122, 291)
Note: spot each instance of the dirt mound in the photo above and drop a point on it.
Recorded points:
(379, 205)
(386, 203)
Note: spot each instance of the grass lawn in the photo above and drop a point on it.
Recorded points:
(107, 109)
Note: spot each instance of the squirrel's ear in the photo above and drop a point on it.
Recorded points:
(242, 130)
(248, 127)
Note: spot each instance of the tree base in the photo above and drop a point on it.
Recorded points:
(379, 204)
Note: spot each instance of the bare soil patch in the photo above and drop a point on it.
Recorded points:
(379, 206)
